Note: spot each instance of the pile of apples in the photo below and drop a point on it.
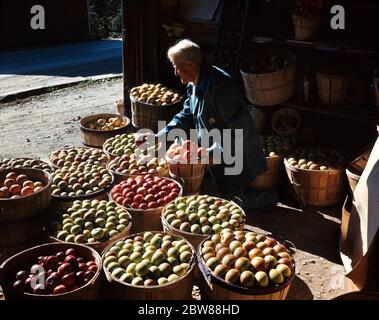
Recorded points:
(90, 221)
(121, 144)
(55, 274)
(247, 259)
(203, 215)
(74, 156)
(149, 259)
(317, 158)
(145, 192)
(187, 152)
(18, 185)
(135, 165)
(25, 163)
(103, 124)
(80, 180)
(155, 94)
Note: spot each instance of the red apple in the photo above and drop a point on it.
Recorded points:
(51, 262)
(142, 190)
(71, 252)
(134, 205)
(138, 198)
(53, 280)
(22, 275)
(60, 289)
(152, 205)
(201, 152)
(93, 267)
(61, 256)
(83, 266)
(88, 276)
(68, 279)
(161, 202)
(65, 268)
(142, 206)
(80, 277)
(127, 202)
(18, 285)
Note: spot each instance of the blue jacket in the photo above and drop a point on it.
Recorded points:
(218, 103)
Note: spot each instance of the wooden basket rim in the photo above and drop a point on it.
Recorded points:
(165, 223)
(86, 196)
(48, 176)
(154, 210)
(243, 290)
(160, 286)
(336, 76)
(106, 115)
(352, 174)
(326, 172)
(95, 254)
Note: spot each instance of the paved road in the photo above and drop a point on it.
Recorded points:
(32, 69)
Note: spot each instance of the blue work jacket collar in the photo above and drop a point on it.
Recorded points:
(203, 81)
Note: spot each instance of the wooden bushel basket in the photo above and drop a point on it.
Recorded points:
(87, 292)
(215, 288)
(315, 187)
(270, 179)
(306, 27)
(193, 238)
(149, 219)
(120, 107)
(96, 138)
(267, 89)
(180, 289)
(23, 208)
(332, 89)
(191, 174)
(146, 116)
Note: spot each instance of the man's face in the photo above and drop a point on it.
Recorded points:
(186, 70)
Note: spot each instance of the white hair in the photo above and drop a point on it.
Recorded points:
(185, 50)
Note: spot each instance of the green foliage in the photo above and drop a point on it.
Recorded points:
(105, 18)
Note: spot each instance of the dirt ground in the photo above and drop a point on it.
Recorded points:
(36, 126)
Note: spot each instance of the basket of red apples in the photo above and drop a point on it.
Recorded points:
(52, 271)
(24, 193)
(144, 197)
(187, 161)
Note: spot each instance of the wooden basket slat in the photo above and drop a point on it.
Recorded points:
(270, 179)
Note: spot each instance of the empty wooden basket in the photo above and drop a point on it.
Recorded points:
(306, 27)
(191, 174)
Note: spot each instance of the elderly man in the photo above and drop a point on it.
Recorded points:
(215, 102)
